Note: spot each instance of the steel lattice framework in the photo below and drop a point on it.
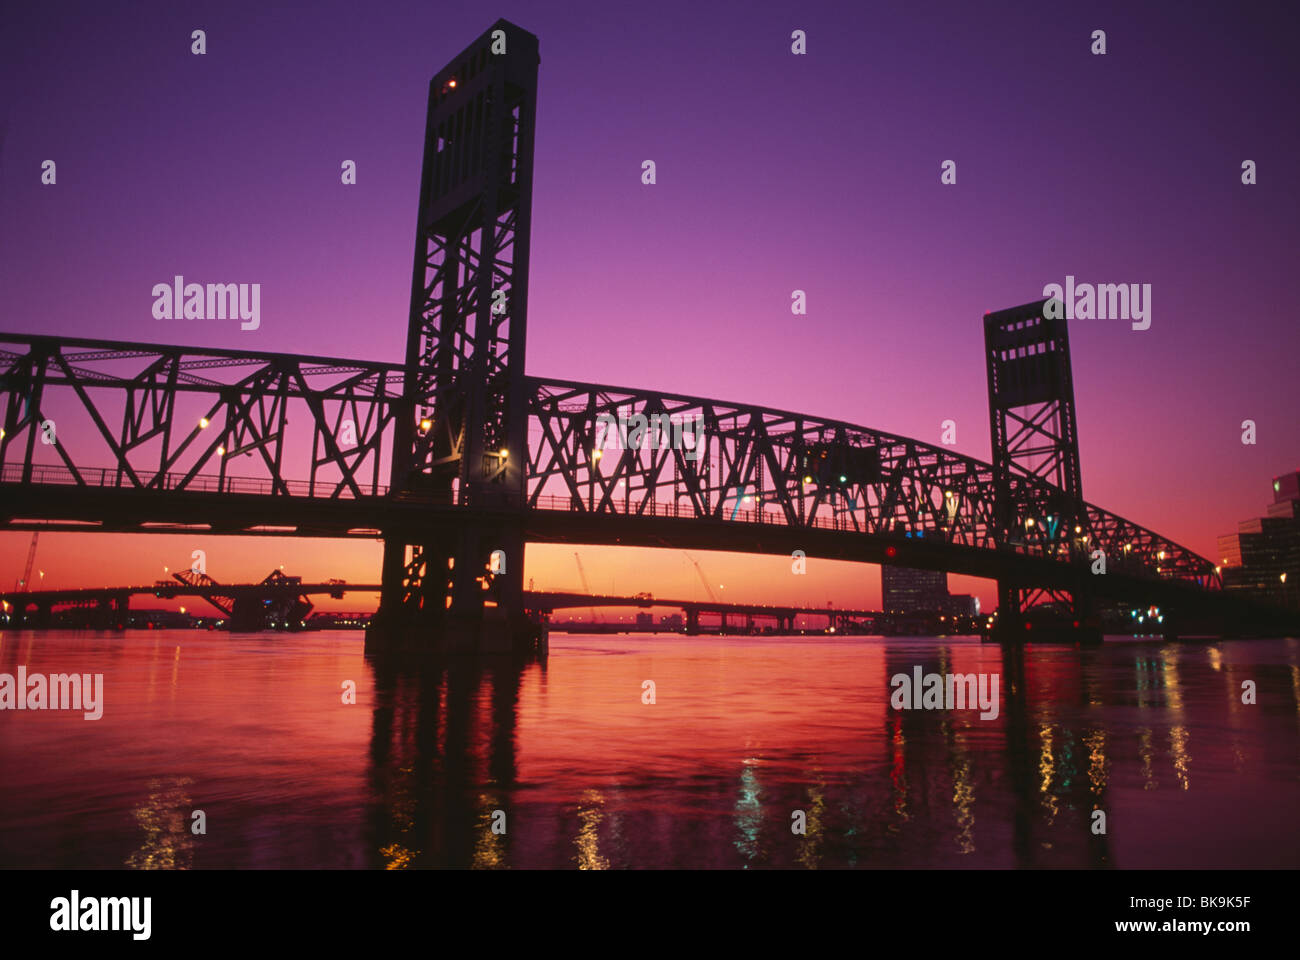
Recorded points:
(129, 418)
(765, 466)
(169, 418)
(1035, 437)
(466, 335)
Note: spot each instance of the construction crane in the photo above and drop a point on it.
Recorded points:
(703, 580)
(583, 574)
(24, 583)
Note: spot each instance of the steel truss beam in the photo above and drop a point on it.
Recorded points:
(764, 466)
(143, 417)
(755, 455)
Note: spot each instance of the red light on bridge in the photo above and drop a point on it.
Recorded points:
(1028, 625)
(1076, 623)
(890, 551)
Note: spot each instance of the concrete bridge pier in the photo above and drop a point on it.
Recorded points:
(460, 595)
(17, 614)
(110, 612)
(1016, 633)
(1066, 616)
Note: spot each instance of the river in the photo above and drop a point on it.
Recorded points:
(564, 763)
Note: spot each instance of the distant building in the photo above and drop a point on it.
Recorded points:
(672, 621)
(1262, 558)
(962, 605)
(903, 590)
(645, 621)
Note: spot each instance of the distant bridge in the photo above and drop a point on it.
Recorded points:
(35, 608)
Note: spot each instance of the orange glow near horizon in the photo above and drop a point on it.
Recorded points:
(73, 560)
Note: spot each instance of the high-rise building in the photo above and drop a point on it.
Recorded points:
(1263, 557)
(904, 590)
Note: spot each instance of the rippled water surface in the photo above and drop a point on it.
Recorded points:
(252, 730)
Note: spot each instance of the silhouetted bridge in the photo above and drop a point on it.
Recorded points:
(456, 457)
(281, 593)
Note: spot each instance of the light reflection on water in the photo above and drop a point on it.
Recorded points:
(561, 764)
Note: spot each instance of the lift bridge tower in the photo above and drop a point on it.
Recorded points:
(1038, 486)
(462, 437)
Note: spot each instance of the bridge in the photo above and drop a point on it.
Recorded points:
(456, 458)
(282, 599)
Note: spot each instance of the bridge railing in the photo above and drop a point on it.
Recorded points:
(115, 478)
(688, 511)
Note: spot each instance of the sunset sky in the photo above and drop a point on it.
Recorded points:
(775, 172)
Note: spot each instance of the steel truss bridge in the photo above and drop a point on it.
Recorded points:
(456, 458)
(234, 442)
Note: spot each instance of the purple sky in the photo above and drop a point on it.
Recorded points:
(775, 172)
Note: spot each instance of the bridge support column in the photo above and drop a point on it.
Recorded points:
(462, 594)
(487, 592)
(1060, 617)
(692, 622)
(104, 615)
